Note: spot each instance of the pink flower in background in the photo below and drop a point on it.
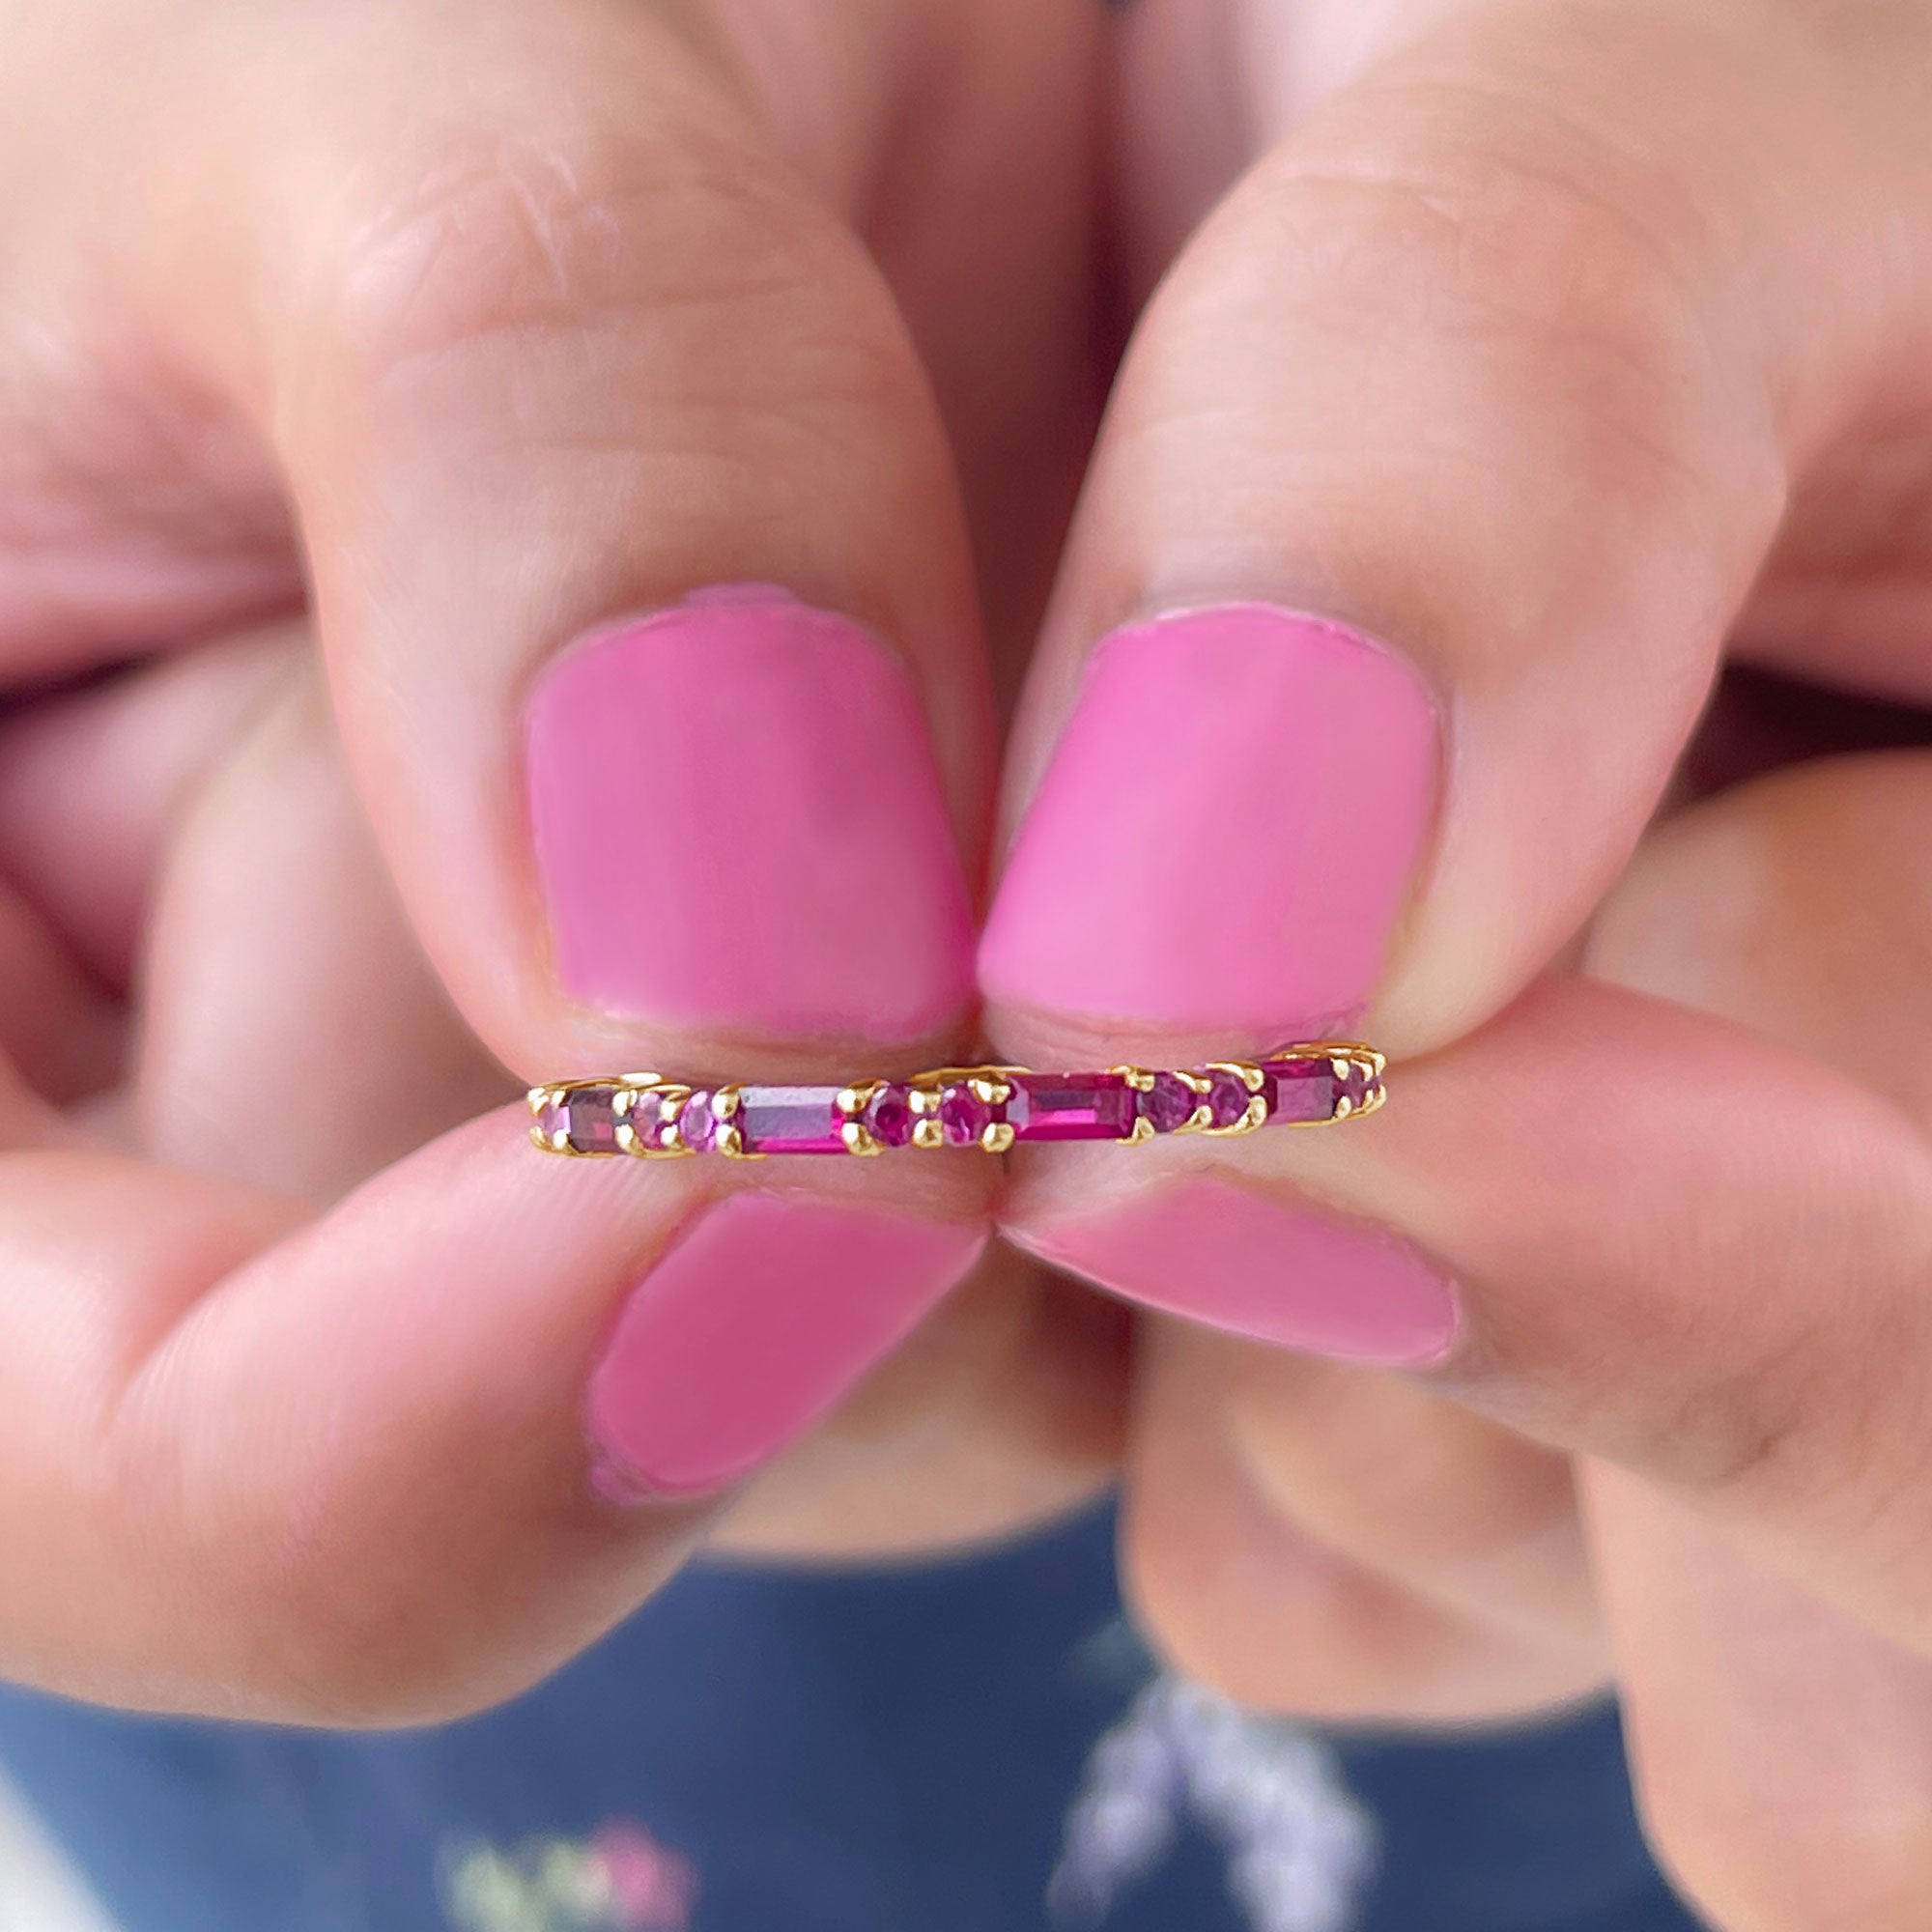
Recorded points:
(652, 1890)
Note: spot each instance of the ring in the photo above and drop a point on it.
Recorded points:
(992, 1108)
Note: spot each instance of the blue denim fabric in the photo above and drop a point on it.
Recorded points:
(905, 1750)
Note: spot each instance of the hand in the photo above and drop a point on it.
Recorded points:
(469, 330)
(1565, 347)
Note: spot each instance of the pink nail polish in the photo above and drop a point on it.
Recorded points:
(1223, 1255)
(1226, 834)
(751, 1326)
(738, 824)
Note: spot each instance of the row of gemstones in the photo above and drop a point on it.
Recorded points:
(989, 1107)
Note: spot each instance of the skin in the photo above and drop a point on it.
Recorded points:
(1578, 346)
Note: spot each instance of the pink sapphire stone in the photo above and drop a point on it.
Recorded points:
(1169, 1104)
(697, 1123)
(649, 1115)
(1072, 1107)
(790, 1119)
(963, 1117)
(1228, 1098)
(890, 1117)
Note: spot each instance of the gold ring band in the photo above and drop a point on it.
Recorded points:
(992, 1108)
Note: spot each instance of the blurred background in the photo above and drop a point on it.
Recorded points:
(975, 1745)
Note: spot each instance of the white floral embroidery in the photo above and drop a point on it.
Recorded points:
(1299, 1847)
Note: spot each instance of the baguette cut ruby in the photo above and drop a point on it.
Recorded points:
(1169, 1104)
(1304, 1090)
(1310, 1090)
(586, 1118)
(790, 1119)
(1072, 1107)
(888, 1117)
(963, 1117)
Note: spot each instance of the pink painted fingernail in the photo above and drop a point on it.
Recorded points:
(1226, 834)
(739, 824)
(751, 1326)
(1221, 1255)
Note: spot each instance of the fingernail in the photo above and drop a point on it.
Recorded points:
(751, 1328)
(738, 824)
(1223, 1255)
(1225, 837)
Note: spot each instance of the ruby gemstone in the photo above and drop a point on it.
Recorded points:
(790, 1119)
(1310, 1090)
(963, 1117)
(1228, 1098)
(594, 1125)
(697, 1123)
(585, 1116)
(1169, 1104)
(1304, 1090)
(1072, 1107)
(888, 1117)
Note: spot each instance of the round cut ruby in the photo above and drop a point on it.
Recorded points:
(888, 1117)
(1228, 1098)
(963, 1117)
(697, 1123)
(1169, 1104)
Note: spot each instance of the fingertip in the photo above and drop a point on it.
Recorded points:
(1275, 1271)
(765, 1312)
(740, 828)
(1225, 833)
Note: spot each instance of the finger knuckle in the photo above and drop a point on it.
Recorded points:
(336, 1656)
(1569, 282)
(303, 1634)
(498, 231)
(345, 1605)
(1344, 1646)
(511, 253)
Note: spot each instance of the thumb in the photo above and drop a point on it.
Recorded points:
(1448, 370)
